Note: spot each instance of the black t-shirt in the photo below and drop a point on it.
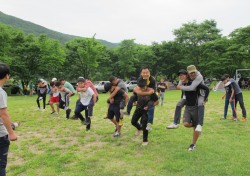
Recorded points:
(162, 89)
(118, 97)
(191, 96)
(143, 101)
(152, 82)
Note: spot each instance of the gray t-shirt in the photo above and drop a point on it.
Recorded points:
(3, 104)
(236, 87)
(122, 85)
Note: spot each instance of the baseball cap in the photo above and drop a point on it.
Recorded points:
(54, 79)
(182, 71)
(80, 79)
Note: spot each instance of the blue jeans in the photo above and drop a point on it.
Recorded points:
(4, 148)
(79, 108)
(226, 108)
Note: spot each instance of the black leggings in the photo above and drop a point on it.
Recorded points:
(141, 113)
(44, 100)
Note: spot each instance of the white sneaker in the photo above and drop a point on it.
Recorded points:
(40, 98)
(198, 128)
(38, 109)
(172, 126)
(149, 127)
(43, 110)
(144, 143)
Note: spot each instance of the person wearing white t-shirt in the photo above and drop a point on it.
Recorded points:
(85, 99)
(6, 132)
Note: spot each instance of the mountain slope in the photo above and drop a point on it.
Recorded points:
(37, 30)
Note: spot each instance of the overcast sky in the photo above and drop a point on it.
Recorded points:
(145, 21)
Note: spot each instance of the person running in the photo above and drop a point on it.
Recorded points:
(162, 87)
(144, 103)
(115, 109)
(54, 98)
(42, 89)
(69, 86)
(87, 84)
(197, 78)
(6, 132)
(85, 99)
(64, 100)
(119, 84)
(229, 98)
(190, 117)
(151, 83)
(238, 96)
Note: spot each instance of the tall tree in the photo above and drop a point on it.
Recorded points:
(192, 35)
(84, 53)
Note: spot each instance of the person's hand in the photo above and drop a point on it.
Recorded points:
(135, 103)
(12, 137)
(178, 87)
(145, 108)
(111, 100)
(222, 97)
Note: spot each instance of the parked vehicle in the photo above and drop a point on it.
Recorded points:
(131, 85)
(99, 85)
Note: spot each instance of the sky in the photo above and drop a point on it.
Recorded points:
(146, 21)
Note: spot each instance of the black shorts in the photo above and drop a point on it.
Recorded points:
(114, 110)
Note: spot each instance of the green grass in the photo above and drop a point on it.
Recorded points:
(50, 145)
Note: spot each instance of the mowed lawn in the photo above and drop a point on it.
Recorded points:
(50, 145)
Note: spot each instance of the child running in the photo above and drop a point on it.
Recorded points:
(85, 99)
(54, 98)
(64, 101)
(41, 92)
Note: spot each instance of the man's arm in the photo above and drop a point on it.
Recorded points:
(232, 95)
(94, 99)
(194, 84)
(114, 92)
(125, 95)
(6, 121)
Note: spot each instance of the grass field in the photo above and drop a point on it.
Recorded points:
(50, 145)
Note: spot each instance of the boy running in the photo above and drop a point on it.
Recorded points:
(85, 99)
(54, 98)
(64, 100)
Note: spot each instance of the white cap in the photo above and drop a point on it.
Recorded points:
(54, 79)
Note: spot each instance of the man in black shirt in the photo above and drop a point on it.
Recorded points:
(116, 107)
(190, 117)
(144, 103)
(150, 80)
(161, 86)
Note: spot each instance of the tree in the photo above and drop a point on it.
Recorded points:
(191, 36)
(83, 56)
(127, 60)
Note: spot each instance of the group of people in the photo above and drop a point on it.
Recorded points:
(144, 98)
